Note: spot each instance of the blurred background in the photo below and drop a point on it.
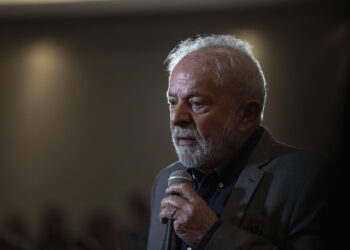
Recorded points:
(83, 114)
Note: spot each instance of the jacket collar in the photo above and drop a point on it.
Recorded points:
(248, 180)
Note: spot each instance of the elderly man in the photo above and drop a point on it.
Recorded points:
(249, 192)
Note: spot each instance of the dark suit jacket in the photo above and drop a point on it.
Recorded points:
(278, 202)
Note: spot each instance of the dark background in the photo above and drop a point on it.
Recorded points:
(84, 120)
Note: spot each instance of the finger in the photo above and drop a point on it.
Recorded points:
(174, 201)
(183, 189)
(166, 213)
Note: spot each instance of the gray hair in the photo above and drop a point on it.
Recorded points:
(222, 41)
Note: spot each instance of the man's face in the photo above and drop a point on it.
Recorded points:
(202, 115)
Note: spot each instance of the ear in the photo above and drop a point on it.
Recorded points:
(249, 115)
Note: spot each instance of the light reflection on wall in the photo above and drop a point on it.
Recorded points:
(39, 70)
(43, 64)
(256, 39)
(42, 70)
(261, 47)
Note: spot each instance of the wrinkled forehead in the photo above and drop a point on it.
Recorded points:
(190, 69)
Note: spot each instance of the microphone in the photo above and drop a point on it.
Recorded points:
(178, 176)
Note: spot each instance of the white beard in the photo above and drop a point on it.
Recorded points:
(204, 152)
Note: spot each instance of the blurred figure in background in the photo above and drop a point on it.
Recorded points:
(16, 224)
(54, 233)
(138, 207)
(14, 234)
(80, 244)
(103, 228)
(10, 241)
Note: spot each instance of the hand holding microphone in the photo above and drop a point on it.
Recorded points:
(191, 216)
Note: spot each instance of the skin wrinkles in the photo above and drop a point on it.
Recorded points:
(197, 104)
(190, 218)
(209, 123)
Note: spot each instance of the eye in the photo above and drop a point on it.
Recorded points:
(171, 102)
(197, 105)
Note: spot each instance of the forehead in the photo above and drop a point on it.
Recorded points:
(201, 67)
(189, 76)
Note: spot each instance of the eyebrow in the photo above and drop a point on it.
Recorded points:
(190, 95)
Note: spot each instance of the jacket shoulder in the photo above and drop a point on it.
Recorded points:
(163, 175)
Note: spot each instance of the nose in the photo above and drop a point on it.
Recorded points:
(180, 115)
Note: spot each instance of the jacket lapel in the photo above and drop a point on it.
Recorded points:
(241, 195)
(248, 181)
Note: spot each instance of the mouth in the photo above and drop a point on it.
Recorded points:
(186, 141)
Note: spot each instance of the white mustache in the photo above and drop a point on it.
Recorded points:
(184, 132)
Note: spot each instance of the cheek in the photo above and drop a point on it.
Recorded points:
(209, 126)
(213, 125)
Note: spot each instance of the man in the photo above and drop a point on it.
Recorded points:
(249, 192)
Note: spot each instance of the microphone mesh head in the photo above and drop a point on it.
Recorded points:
(180, 176)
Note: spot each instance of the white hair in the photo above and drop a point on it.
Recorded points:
(222, 41)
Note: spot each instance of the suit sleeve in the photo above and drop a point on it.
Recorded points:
(229, 237)
(309, 227)
(154, 234)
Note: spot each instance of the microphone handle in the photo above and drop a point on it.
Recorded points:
(169, 235)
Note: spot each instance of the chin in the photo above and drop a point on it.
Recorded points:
(192, 157)
(192, 163)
